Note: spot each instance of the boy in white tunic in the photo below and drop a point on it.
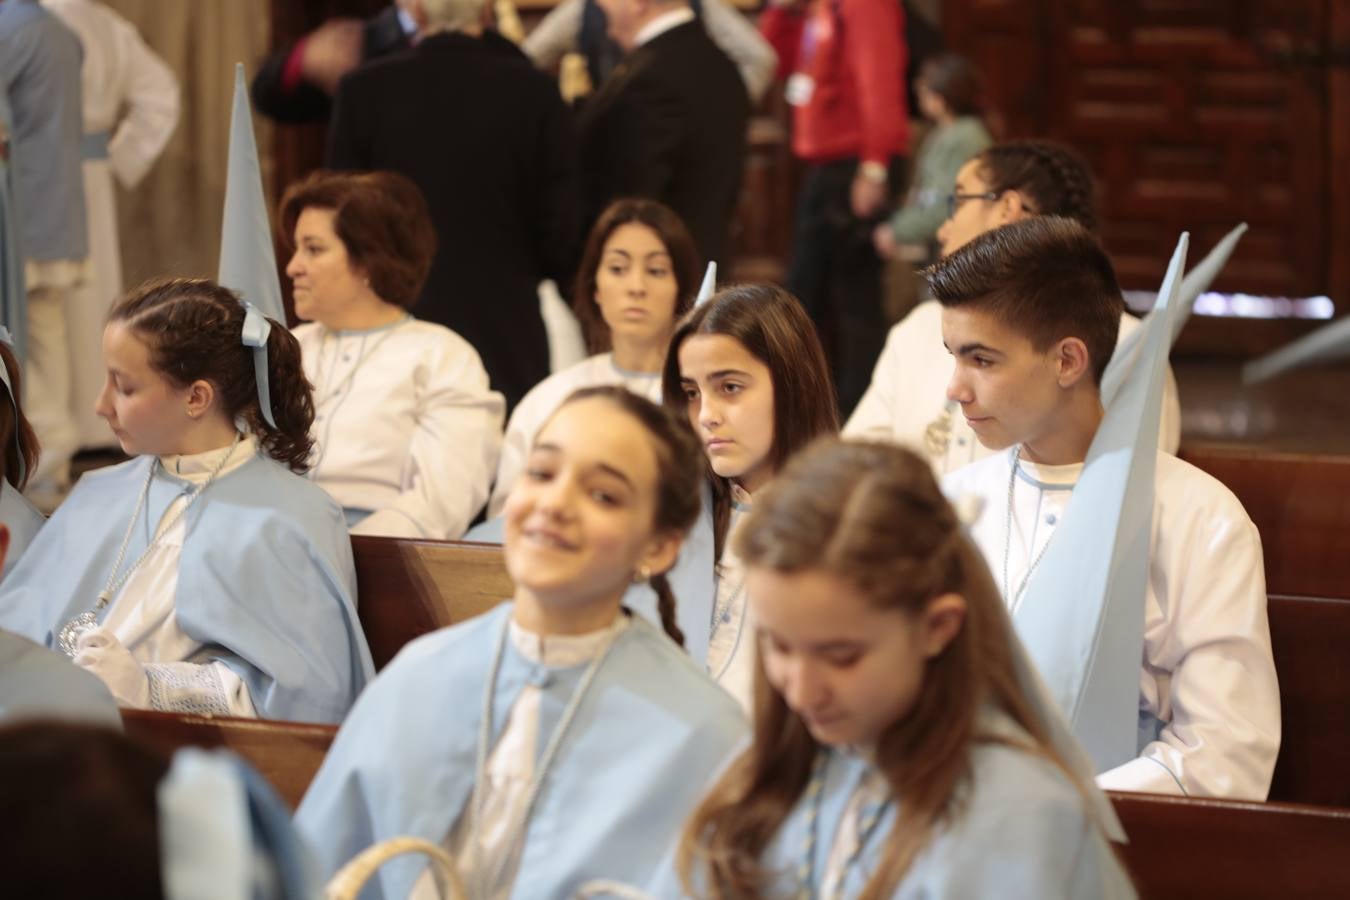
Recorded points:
(1030, 313)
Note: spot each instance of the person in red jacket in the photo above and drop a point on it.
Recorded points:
(844, 63)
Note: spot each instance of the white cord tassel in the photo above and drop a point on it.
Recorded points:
(351, 878)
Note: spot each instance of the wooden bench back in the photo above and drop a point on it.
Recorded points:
(1311, 642)
(406, 588)
(1301, 506)
(287, 754)
(1185, 848)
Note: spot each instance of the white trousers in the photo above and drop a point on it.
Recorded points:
(46, 383)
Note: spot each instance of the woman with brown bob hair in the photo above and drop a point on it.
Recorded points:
(206, 574)
(406, 427)
(637, 276)
(18, 459)
(747, 370)
(903, 745)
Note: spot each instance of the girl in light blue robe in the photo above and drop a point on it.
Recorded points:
(904, 747)
(747, 369)
(558, 739)
(18, 458)
(204, 575)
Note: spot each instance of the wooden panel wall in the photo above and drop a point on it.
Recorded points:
(1196, 114)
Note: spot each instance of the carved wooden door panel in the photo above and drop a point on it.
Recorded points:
(1192, 114)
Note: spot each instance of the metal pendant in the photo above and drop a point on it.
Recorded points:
(938, 435)
(69, 637)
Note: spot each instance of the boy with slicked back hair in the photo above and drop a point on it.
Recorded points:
(1030, 312)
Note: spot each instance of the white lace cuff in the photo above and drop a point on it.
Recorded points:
(188, 688)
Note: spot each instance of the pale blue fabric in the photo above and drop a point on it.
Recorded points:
(693, 580)
(1327, 344)
(645, 744)
(94, 145)
(1022, 831)
(23, 521)
(248, 262)
(40, 73)
(1196, 282)
(265, 579)
(38, 683)
(225, 835)
(1082, 619)
(13, 295)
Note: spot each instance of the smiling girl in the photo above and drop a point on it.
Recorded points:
(557, 739)
(637, 276)
(205, 575)
(902, 745)
(749, 372)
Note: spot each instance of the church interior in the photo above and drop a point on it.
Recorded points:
(1188, 117)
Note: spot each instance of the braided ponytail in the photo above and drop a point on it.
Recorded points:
(665, 605)
(1054, 178)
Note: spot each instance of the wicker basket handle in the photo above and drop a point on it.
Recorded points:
(351, 878)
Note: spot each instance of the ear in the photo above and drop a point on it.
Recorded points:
(201, 396)
(661, 552)
(1013, 207)
(942, 620)
(1074, 361)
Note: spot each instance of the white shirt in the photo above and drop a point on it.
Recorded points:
(731, 647)
(907, 399)
(511, 764)
(1207, 673)
(736, 35)
(538, 405)
(663, 23)
(127, 89)
(143, 617)
(405, 426)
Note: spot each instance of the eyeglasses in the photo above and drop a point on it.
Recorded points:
(954, 199)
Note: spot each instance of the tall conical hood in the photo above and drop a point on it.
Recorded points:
(248, 262)
(1196, 282)
(1082, 619)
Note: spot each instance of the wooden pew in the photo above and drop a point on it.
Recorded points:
(1301, 506)
(1185, 848)
(1311, 642)
(406, 588)
(287, 754)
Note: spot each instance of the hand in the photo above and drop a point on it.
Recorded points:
(331, 51)
(883, 240)
(101, 653)
(867, 196)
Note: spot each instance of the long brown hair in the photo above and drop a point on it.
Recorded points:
(679, 467)
(192, 327)
(671, 231)
(771, 324)
(871, 513)
(21, 454)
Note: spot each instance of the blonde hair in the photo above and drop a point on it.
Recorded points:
(871, 513)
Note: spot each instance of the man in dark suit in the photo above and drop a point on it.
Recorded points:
(668, 123)
(296, 84)
(488, 139)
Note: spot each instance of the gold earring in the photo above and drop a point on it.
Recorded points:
(643, 574)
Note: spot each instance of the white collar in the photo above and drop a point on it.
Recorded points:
(196, 467)
(564, 650)
(663, 23)
(1048, 477)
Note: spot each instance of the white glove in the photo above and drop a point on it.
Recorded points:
(100, 652)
